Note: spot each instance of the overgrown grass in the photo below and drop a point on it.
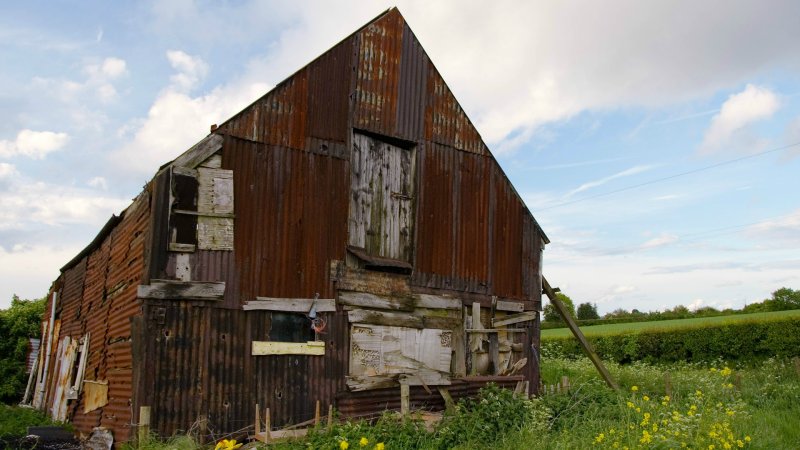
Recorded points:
(14, 420)
(667, 325)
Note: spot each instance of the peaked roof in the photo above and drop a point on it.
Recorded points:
(380, 80)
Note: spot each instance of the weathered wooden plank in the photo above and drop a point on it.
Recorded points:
(260, 348)
(214, 233)
(363, 299)
(494, 354)
(357, 383)
(204, 214)
(185, 171)
(495, 330)
(385, 318)
(515, 318)
(182, 290)
(199, 152)
(214, 161)
(302, 305)
(443, 323)
(181, 248)
(95, 394)
(436, 302)
(510, 306)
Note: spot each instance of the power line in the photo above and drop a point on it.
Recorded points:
(657, 180)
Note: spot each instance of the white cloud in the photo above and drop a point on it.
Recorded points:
(783, 232)
(664, 239)
(177, 120)
(754, 103)
(695, 304)
(793, 137)
(99, 81)
(98, 182)
(7, 171)
(191, 70)
(33, 144)
(593, 184)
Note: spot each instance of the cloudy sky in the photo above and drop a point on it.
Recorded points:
(657, 143)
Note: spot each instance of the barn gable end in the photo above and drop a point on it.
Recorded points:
(346, 233)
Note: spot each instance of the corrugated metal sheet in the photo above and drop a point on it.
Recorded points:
(201, 365)
(98, 296)
(506, 235)
(412, 93)
(373, 402)
(328, 91)
(377, 74)
(291, 219)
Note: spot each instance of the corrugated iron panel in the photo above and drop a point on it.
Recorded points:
(372, 403)
(377, 73)
(70, 298)
(412, 88)
(278, 118)
(507, 270)
(291, 218)
(328, 93)
(445, 121)
(453, 243)
(201, 365)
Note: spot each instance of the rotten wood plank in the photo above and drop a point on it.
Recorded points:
(363, 299)
(302, 305)
(199, 152)
(510, 306)
(515, 318)
(260, 348)
(182, 290)
(436, 302)
(391, 319)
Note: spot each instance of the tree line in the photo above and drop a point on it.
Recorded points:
(586, 313)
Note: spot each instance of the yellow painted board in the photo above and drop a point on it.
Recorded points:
(288, 348)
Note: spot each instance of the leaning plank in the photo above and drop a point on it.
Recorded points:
(182, 290)
(261, 348)
(199, 152)
(515, 318)
(391, 319)
(363, 299)
(290, 304)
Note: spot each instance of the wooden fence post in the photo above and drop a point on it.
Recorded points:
(144, 424)
(404, 399)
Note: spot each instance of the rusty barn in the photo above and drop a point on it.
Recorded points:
(346, 235)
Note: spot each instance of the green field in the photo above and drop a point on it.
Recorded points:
(701, 322)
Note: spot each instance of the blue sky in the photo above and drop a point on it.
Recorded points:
(691, 111)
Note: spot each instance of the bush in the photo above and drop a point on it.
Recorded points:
(18, 323)
(751, 341)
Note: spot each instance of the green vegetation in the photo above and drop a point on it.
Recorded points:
(667, 325)
(15, 420)
(551, 314)
(18, 323)
(731, 338)
(587, 311)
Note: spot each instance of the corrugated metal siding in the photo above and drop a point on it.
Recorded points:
(373, 402)
(445, 121)
(201, 365)
(377, 73)
(278, 118)
(412, 89)
(507, 270)
(328, 93)
(291, 218)
(98, 296)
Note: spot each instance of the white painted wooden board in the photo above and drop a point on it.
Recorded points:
(302, 305)
(215, 196)
(377, 350)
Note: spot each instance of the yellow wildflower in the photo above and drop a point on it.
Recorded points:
(646, 398)
(380, 446)
(698, 393)
(739, 443)
(713, 369)
(344, 445)
(646, 438)
(747, 438)
(711, 447)
(226, 444)
(725, 372)
(599, 438)
(638, 410)
(634, 388)
(630, 404)
(363, 442)
(726, 445)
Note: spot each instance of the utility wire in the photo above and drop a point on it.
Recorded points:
(657, 180)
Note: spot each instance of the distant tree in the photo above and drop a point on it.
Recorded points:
(550, 313)
(587, 311)
(618, 313)
(17, 323)
(785, 298)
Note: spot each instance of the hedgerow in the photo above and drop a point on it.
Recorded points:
(751, 341)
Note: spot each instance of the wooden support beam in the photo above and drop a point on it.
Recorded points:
(365, 300)
(405, 392)
(391, 319)
(144, 424)
(449, 404)
(182, 290)
(576, 331)
(494, 354)
(510, 306)
(199, 152)
(302, 305)
(260, 348)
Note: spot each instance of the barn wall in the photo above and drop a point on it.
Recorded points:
(97, 296)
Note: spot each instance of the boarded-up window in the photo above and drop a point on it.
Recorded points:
(377, 350)
(382, 198)
(290, 327)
